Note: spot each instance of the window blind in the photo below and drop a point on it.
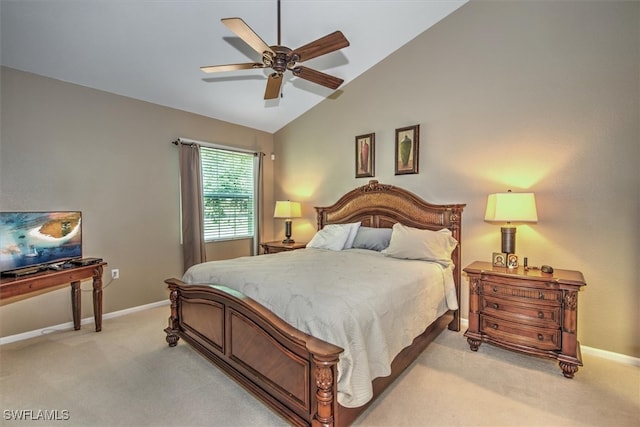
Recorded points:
(228, 194)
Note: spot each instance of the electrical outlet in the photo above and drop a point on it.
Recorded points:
(115, 273)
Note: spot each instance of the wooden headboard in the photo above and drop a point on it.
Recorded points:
(382, 205)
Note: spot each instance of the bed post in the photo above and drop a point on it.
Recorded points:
(172, 329)
(326, 388)
(456, 228)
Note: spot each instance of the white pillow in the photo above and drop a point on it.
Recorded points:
(353, 231)
(413, 243)
(332, 237)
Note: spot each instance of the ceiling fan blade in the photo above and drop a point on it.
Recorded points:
(329, 43)
(273, 86)
(242, 30)
(231, 67)
(317, 77)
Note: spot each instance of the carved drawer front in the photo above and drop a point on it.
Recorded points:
(547, 316)
(541, 295)
(275, 250)
(515, 333)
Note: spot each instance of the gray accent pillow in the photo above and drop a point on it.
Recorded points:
(375, 239)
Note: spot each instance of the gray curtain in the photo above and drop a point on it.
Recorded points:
(193, 247)
(255, 248)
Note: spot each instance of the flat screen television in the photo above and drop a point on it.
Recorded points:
(29, 240)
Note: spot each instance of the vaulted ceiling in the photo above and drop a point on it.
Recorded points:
(152, 50)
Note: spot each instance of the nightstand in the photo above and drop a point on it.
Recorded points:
(278, 246)
(526, 310)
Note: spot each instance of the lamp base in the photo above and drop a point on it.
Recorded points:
(508, 239)
(287, 232)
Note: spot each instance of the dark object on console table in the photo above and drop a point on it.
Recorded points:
(526, 310)
(292, 372)
(14, 289)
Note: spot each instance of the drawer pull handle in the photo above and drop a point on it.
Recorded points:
(495, 289)
(494, 326)
(540, 295)
(540, 315)
(494, 305)
(540, 337)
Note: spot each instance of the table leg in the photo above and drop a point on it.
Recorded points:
(97, 297)
(75, 304)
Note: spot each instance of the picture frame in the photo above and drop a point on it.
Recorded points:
(365, 155)
(407, 150)
(499, 259)
(512, 261)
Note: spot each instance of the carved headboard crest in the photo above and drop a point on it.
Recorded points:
(374, 185)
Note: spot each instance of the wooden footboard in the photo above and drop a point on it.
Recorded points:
(294, 373)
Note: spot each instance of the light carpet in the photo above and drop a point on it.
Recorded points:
(126, 375)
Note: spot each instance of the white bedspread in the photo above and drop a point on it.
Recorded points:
(370, 305)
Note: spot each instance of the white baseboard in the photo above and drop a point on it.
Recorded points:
(85, 321)
(616, 357)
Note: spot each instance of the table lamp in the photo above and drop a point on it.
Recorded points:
(507, 208)
(287, 210)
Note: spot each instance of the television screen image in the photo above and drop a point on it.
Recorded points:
(30, 239)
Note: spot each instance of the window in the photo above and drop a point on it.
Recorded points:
(228, 194)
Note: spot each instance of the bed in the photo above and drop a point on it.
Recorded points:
(296, 369)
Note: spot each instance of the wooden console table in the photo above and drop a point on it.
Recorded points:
(14, 289)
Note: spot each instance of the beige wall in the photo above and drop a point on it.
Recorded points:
(536, 96)
(541, 96)
(69, 147)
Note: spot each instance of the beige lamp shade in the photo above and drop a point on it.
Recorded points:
(511, 207)
(287, 209)
(507, 208)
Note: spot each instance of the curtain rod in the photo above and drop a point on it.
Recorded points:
(212, 145)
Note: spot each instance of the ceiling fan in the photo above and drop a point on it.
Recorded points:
(280, 58)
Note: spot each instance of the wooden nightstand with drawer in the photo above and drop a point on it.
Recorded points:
(278, 246)
(526, 310)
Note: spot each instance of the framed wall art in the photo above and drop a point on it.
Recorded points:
(407, 149)
(365, 155)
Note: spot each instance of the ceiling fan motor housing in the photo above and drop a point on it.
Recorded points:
(281, 61)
